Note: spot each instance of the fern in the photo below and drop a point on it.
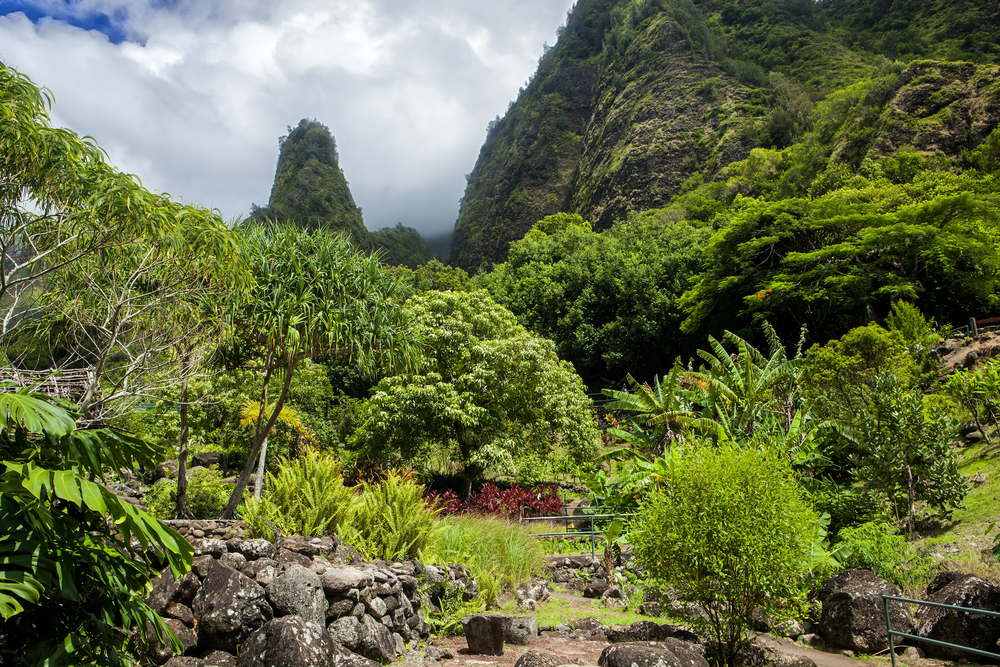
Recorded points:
(391, 520)
(306, 496)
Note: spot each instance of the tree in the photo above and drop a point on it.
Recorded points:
(76, 561)
(314, 295)
(905, 453)
(832, 262)
(729, 530)
(488, 391)
(608, 299)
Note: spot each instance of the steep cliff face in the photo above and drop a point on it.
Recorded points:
(309, 186)
(642, 101)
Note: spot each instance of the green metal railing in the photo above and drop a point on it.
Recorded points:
(888, 625)
(592, 532)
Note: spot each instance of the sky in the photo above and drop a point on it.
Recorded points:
(192, 95)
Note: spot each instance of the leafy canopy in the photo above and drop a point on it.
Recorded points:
(488, 391)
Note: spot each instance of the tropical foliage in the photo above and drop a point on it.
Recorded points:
(72, 581)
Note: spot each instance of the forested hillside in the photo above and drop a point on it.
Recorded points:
(641, 101)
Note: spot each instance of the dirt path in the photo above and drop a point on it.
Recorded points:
(585, 652)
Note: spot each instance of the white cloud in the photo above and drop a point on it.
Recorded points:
(195, 104)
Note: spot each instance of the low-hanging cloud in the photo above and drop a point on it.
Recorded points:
(192, 95)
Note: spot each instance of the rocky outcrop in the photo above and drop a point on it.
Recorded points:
(976, 631)
(290, 641)
(853, 615)
(258, 594)
(668, 653)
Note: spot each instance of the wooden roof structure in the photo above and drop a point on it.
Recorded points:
(70, 384)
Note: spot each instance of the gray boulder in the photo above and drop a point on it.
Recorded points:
(219, 659)
(668, 653)
(647, 631)
(596, 588)
(485, 633)
(229, 607)
(523, 631)
(853, 615)
(290, 641)
(298, 592)
(537, 658)
(168, 591)
(159, 652)
(209, 547)
(184, 661)
(977, 631)
(337, 581)
(252, 549)
(364, 636)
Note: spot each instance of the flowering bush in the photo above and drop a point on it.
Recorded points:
(491, 499)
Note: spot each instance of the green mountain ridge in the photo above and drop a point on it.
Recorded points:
(641, 101)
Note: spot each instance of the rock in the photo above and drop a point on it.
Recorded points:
(299, 592)
(576, 561)
(538, 592)
(341, 657)
(588, 624)
(253, 549)
(233, 560)
(228, 608)
(912, 652)
(813, 640)
(527, 605)
(767, 652)
(167, 590)
(290, 641)
(523, 631)
(266, 575)
(364, 636)
(338, 580)
(485, 633)
(338, 609)
(595, 589)
(853, 615)
(286, 557)
(940, 580)
(202, 565)
(184, 661)
(181, 612)
(376, 607)
(206, 459)
(158, 652)
(668, 653)
(209, 547)
(647, 631)
(219, 659)
(977, 631)
(298, 545)
(537, 658)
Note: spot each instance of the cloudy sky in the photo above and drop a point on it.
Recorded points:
(192, 95)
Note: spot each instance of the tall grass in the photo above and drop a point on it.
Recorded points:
(500, 554)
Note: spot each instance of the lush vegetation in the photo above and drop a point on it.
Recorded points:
(759, 300)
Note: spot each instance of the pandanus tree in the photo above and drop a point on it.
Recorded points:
(315, 295)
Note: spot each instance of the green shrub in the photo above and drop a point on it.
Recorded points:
(876, 547)
(391, 521)
(730, 531)
(306, 496)
(206, 495)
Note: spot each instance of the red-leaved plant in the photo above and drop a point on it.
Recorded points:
(491, 499)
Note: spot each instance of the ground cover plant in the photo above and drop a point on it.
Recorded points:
(513, 502)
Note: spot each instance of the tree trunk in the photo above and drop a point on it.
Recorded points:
(259, 480)
(182, 455)
(229, 511)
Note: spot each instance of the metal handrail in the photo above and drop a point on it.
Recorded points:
(888, 625)
(576, 517)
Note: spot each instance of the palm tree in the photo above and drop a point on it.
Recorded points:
(315, 295)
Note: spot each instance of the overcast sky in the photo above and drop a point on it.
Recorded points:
(192, 95)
